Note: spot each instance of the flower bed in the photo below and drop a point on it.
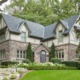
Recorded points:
(46, 66)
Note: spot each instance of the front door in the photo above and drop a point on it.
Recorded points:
(43, 57)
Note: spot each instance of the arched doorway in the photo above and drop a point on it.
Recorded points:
(43, 56)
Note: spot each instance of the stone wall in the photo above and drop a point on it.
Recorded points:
(5, 46)
(72, 52)
(65, 48)
(38, 51)
(11, 48)
(69, 51)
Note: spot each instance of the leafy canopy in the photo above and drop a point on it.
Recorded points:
(44, 12)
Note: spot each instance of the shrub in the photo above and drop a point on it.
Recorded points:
(22, 65)
(55, 60)
(78, 65)
(5, 78)
(50, 68)
(26, 61)
(6, 63)
(70, 63)
(13, 77)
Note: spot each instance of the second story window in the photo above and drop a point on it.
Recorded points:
(23, 36)
(2, 38)
(60, 36)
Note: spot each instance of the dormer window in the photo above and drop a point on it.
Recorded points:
(23, 36)
(60, 36)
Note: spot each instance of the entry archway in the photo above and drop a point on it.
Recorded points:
(43, 56)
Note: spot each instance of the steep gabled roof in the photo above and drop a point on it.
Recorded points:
(13, 24)
(48, 33)
(38, 30)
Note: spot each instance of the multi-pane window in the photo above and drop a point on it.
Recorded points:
(2, 54)
(60, 36)
(23, 36)
(2, 38)
(59, 54)
(21, 54)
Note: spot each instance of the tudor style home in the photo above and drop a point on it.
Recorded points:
(16, 33)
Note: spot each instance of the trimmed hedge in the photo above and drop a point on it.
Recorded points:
(70, 63)
(6, 63)
(55, 60)
(78, 65)
(50, 68)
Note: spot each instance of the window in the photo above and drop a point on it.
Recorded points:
(2, 38)
(59, 54)
(60, 36)
(2, 54)
(21, 54)
(23, 36)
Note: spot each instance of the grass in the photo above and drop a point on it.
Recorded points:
(52, 75)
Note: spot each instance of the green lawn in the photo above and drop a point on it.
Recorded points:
(52, 75)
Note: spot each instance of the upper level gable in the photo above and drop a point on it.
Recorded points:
(2, 23)
(59, 27)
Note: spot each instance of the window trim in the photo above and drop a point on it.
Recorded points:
(20, 54)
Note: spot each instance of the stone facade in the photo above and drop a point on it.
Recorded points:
(72, 52)
(37, 52)
(69, 51)
(11, 48)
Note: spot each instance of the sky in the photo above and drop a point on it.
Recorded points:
(3, 5)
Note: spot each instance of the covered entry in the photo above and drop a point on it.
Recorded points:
(42, 56)
(41, 53)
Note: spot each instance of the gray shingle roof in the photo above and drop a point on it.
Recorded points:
(38, 30)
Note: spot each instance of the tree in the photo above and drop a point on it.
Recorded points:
(44, 12)
(29, 53)
(52, 52)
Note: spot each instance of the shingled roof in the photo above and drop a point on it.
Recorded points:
(38, 30)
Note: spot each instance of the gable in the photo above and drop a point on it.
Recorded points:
(23, 28)
(59, 27)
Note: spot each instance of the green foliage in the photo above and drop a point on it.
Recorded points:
(26, 61)
(50, 68)
(29, 53)
(13, 77)
(52, 52)
(43, 11)
(70, 63)
(55, 60)
(5, 78)
(6, 63)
